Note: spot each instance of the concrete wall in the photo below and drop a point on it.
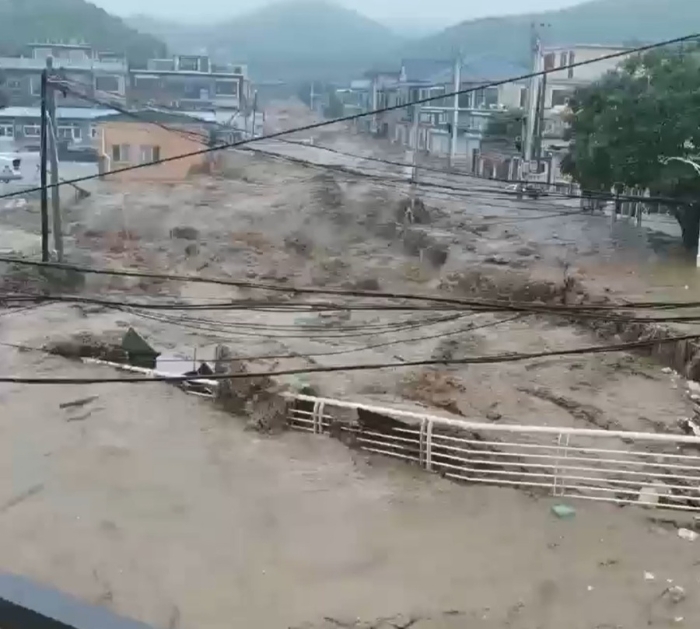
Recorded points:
(137, 135)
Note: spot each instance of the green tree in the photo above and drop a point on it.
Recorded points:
(625, 126)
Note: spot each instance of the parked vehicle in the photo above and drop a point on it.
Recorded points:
(10, 168)
(529, 190)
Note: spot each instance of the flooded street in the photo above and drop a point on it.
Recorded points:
(165, 508)
(157, 505)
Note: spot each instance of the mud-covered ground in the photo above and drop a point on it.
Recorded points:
(160, 506)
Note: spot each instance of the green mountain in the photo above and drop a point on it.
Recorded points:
(24, 21)
(291, 41)
(593, 22)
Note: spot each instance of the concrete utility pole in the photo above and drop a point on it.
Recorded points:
(55, 195)
(414, 143)
(44, 157)
(533, 95)
(373, 106)
(53, 157)
(312, 97)
(457, 77)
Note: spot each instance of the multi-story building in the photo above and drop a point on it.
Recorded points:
(20, 127)
(427, 78)
(190, 82)
(561, 84)
(93, 74)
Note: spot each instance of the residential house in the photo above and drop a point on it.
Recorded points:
(190, 82)
(147, 136)
(75, 129)
(559, 87)
(356, 99)
(92, 73)
(427, 78)
(561, 84)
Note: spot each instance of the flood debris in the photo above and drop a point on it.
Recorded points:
(563, 512)
(79, 403)
(687, 535)
(259, 399)
(130, 348)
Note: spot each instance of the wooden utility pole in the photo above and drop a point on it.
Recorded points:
(53, 157)
(44, 156)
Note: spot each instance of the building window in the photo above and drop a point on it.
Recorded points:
(188, 64)
(14, 84)
(523, 98)
(107, 84)
(7, 130)
(93, 132)
(149, 154)
(35, 85)
(560, 97)
(549, 61)
(491, 96)
(31, 131)
(562, 59)
(121, 153)
(69, 133)
(42, 53)
(227, 88)
(572, 60)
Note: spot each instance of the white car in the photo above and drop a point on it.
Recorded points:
(10, 168)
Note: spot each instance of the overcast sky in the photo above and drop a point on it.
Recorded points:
(435, 11)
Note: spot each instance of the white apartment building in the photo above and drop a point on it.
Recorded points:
(561, 84)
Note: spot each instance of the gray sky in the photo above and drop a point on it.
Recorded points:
(434, 12)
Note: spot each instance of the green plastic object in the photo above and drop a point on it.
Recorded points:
(563, 512)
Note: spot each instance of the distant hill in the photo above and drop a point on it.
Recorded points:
(593, 22)
(24, 21)
(294, 40)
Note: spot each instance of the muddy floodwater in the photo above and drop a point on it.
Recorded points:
(161, 506)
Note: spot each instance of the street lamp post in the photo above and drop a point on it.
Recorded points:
(696, 167)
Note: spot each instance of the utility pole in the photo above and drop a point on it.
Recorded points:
(533, 96)
(457, 76)
(373, 106)
(312, 97)
(414, 160)
(255, 110)
(44, 156)
(53, 157)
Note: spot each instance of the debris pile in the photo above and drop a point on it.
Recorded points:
(260, 399)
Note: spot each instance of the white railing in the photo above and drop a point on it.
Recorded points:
(610, 466)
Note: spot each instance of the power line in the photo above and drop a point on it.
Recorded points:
(316, 125)
(482, 305)
(310, 355)
(381, 177)
(472, 360)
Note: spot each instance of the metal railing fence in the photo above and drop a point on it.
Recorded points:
(591, 464)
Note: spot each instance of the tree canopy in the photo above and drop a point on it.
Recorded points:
(624, 128)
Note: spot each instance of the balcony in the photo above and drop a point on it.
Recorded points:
(29, 63)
